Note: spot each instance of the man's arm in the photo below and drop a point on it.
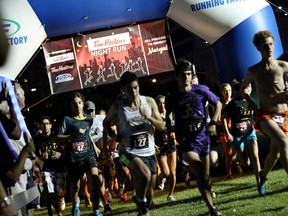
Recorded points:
(285, 76)
(211, 129)
(61, 136)
(8, 208)
(244, 88)
(16, 133)
(15, 171)
(217, 111)
(155, 118)
(64, 138)
(225, 127)
(111, 115)
(8, 115)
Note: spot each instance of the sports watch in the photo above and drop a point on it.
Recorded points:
(212, 122)
(5, 202)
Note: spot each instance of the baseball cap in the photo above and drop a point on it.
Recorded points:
(90, 105)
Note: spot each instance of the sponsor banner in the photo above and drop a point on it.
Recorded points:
(100, 58)
(61, 66)
(211, 19)
(24, 34)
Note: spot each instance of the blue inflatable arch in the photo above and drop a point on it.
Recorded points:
(229, 26)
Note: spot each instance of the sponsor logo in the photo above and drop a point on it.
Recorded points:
(11, 28)
(64, 78)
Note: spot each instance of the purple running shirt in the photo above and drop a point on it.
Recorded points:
(190, 117)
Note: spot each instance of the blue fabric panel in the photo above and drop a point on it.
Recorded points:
(234, 52)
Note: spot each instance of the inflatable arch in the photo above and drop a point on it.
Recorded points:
(229, 26)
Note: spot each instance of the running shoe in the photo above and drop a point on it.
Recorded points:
(101, 204)
(120, 193)
(75, 211)
(170, 198)
(134, 199)
(62, 204)
(125, 198)
(110, 197)
(97, 213)
(187, 180)
(141, 207)
(238, 167)
(88, 202)
(152, 206)
(214, 212)
(107, 208)
(161, 186)
(112, 192)
(213, 194)
(262, 187)
(229, 176)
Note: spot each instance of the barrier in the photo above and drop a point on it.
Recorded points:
(22, 199)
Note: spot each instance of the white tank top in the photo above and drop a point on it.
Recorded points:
(136, 130)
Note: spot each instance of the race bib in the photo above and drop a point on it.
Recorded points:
(139, 141)
(279, 119)
(80, 147)
(243, 126)
(195, 126)
(165, 139)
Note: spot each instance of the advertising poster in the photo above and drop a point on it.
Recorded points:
(61, 66)
(99, 58)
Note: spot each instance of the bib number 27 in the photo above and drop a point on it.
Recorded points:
(139, 141)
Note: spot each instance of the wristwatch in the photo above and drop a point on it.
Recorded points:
(212, 122)
(5, 202)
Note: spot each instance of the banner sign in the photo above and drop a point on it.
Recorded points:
(99, 58)
(210, 20)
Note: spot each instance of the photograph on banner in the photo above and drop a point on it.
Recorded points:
(102, 57)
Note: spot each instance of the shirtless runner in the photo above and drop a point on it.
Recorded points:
(270, 77)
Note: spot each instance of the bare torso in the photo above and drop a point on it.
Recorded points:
(270, 82)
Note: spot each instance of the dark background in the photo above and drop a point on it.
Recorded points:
(185, 45)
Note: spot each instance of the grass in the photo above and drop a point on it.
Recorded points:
(237, 196)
